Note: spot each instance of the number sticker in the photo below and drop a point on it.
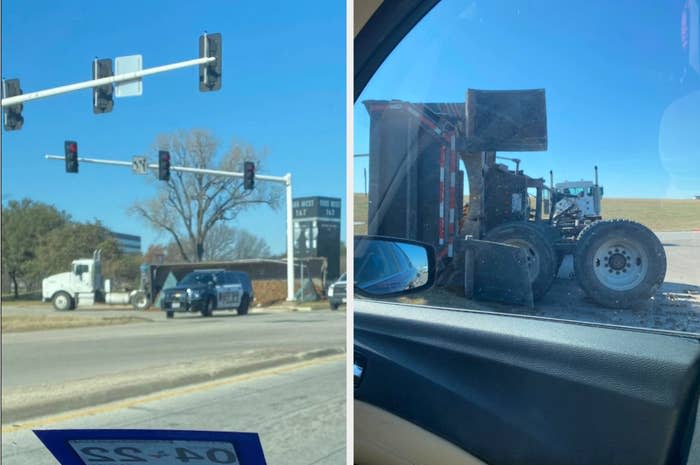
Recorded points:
(156, 452)
(139, 165)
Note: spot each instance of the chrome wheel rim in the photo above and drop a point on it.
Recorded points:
(620, 264)
(61, 302)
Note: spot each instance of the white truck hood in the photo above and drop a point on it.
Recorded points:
(53, 283)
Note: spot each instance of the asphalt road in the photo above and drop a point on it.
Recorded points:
(43, 358)
(299, 415)
(683, 257)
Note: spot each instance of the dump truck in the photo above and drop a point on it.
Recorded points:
(416, 192)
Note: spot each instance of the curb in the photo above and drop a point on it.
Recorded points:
(79, 399)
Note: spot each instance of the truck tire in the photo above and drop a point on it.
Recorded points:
(245, 303)
(334, 306)
(140, 301)
(62, 301)
(619, 263)
(553, 235)
(169, 314)
(208, 308)
(542, 258)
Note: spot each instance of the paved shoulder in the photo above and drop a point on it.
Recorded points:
(299, 414)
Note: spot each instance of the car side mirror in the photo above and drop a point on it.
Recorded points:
(388, 266)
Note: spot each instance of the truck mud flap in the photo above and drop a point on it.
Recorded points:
(496, 272)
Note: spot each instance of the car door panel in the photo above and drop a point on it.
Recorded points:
(519, 390)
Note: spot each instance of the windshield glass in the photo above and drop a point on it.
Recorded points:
(485, 106)
(197, 278)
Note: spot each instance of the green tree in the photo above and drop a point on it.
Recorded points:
(74, 240)
(25, 224)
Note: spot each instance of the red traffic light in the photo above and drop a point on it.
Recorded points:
(71, 156)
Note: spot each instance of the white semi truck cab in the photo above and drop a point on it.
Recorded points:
(585, 195)
(82, 286)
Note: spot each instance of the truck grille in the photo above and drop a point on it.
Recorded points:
(180, 296)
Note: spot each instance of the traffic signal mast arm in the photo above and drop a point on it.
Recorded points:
(103, 81)
(184, 169)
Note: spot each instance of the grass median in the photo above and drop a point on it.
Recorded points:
(22, 323)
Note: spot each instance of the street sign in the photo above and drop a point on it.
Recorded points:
(139, 165)
(128, 64)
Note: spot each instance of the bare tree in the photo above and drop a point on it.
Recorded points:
(190, 205)
(223, 243)
(227, 243)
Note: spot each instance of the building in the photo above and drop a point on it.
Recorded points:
(317, 230)
(128, 243)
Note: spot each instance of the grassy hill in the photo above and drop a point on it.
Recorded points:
(657, 214)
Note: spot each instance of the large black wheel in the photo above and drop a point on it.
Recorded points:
(553, 236)
(169, 314)
(245, 303)
(541, 256)
(140, 301)
(619, 263)
(62, 302)
(209, 308)
(334, 306)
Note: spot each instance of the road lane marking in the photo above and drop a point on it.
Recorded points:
(170, 393)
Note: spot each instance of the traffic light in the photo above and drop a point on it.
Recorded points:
(163, 165)
(210, 73)
(71, 151)
(13, 114)
(248, 175)
(102, 96)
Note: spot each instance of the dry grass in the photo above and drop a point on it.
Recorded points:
(657, 214)
(360, 206)
(21, 323)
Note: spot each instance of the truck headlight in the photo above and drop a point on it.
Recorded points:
(330, 291)
(195, 295)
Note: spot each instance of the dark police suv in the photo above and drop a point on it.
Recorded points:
(207, 290)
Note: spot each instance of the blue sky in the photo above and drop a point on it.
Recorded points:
(283, 89)
(622, 91)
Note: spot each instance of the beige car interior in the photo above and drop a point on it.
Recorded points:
(364, 9)
(382, 438)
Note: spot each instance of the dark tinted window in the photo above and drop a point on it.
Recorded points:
(197, 278)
